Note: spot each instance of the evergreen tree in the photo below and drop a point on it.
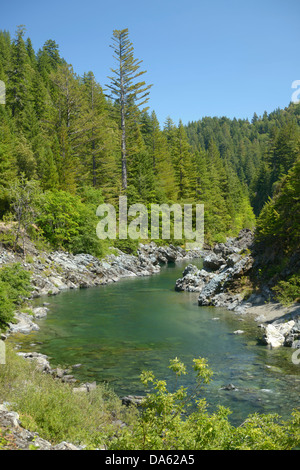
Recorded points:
(19, 75)
(184, 165)
(162, 162)
(124, 87)
(100, 141)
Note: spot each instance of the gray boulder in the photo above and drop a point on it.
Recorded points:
(213, 262)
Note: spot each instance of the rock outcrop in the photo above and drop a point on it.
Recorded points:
(221, 283)
(218, 282)
(59, 270)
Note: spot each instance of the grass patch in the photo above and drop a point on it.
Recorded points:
(52, 409)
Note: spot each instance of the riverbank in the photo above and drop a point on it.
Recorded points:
(58, 271)
(223, 281)
(66, 376)
(54, 272)
(226, 280)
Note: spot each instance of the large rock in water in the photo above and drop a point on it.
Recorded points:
(213, 262)
(273, 337)
(281, 334)
(223, 267)
(193, 279)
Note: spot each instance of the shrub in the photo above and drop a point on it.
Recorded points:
(288, 291)
(164, 423)
(14, 288)
(69, 221)
(127, 245)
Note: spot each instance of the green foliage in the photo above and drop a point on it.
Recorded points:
(61, 131)
(288, 291)
(278, 231)
(18, 280)
(52, 409)
(167, 421)
(69, 221)
(279, 220)
(14, 288)
(58, 217)
(259, 152)
(128, 245)
(6, 306)
(165, 424)
(23, 194)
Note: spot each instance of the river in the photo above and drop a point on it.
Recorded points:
(117, 331)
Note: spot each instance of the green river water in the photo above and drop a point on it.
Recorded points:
(117, 331)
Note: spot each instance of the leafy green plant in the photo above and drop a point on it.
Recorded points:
(165, 424)
(14, 288)
(128, 245)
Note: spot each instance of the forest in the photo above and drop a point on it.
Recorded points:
(68, 143)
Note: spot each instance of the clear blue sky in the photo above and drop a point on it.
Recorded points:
(204, 57)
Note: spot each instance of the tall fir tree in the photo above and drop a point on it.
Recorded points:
(125, 88)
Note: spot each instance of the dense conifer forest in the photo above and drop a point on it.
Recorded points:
(68, 143)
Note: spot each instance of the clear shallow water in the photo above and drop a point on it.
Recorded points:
(117, 331)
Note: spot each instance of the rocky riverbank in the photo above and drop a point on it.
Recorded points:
(218, 283)
(224, 281)
(54, 272)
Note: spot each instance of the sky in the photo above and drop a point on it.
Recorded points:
(204, 57)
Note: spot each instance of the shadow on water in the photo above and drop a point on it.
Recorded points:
(117, 331)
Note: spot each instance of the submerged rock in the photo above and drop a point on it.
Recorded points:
(229, 387)
(132, 400)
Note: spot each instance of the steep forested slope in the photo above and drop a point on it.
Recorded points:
(59, 131)
(278, 237)
(61, 153)
(260, 151)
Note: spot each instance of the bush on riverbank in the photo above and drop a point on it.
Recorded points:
(165, 423)
(52, 409)
(14, 287)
